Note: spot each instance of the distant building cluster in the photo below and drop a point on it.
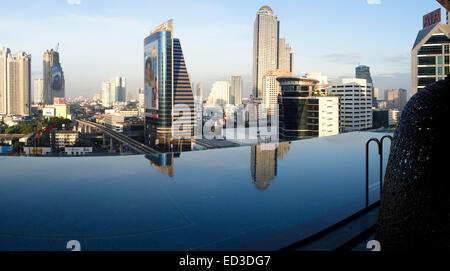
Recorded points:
(113, 91)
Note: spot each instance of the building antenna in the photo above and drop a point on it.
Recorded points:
(57, 47)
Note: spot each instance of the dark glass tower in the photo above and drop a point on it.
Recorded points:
(299, 112)
(166, 87)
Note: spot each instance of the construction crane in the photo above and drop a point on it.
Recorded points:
(46, 129)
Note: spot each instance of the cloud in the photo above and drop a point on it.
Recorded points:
(73, 2)
(374, 2)
(345, 58)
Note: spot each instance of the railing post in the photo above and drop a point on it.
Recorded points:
(367, 165)
(381, 160)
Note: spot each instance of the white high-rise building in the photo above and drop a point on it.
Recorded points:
(106, 94)
(272, 88)
(265, 47)
(355, 103)
(38, 91)
(113, 90)
(235, 89)
(18, 81)
(4, 52)
(285, 56)
(220, 93)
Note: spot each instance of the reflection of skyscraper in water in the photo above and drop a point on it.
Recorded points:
(163, 162)
(263, 163)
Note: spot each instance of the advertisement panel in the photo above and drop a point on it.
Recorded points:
(432, 18)
(59, 100)
(57, 81)
(151, 91)
(48, 112)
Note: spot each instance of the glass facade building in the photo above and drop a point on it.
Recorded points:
(299, 116)
(430, 56)
(166, 86)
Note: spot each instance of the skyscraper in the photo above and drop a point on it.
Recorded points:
(167, 87)
(396, 98)
(4, 52)
(285, 56)
(363, 72)
(430, 56)
(113, 91)
(220, 93)
(38, 91)
(272, 88)
(235, 83)
(265, 47)
(54, 84)
(18, 90)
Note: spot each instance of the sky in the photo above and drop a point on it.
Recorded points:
(99, 39)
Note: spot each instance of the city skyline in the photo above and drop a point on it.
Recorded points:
(90, 52)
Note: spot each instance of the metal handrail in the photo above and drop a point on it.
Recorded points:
(380, 153)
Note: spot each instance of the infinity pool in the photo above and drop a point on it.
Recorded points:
(261, 197)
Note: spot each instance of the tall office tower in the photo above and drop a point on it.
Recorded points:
(199, 92)
(54, 84)
(140, 97)
(167, 87)
(430, 55)
(39, 90)
(265, 47)
(303, 115)
(396, 98)
(18, 90)
(220, 93)
(272, 89)
(4, 52)
(363, 72)
(285, 56)
(376, 93)
(106, 94)
(355, 103)
(235, 83)
(119, 89)
(113, 91)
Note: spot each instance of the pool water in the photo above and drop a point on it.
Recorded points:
(262, 197)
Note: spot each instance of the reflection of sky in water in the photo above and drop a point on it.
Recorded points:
(215, 199)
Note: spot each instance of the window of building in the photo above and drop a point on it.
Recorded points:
(439, 70)
(430, 50)
(423, 81)
(426, 60)
(427, 71)
(439, 60)
(446, 49)
(447, 70)
(447, 60)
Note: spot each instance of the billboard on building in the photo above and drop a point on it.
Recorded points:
(59, 100)
(432, 18)
(48, 112)
(151, 91)
(57, 82)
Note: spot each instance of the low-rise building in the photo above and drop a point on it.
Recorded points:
(65, 138)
